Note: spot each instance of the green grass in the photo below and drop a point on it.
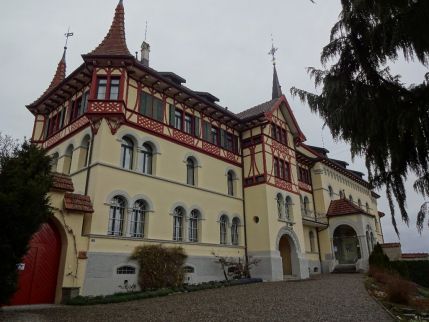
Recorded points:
(132, 296)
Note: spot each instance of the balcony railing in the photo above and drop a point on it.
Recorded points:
(314, 216)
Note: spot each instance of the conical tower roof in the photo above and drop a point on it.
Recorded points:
(60, 73)
(114, 43)
(277, 89)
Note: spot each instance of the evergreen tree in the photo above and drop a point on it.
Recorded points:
(24, 183)
(362, 103)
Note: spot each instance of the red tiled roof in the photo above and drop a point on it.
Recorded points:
(60, 75)
(77, 202)
(390, 245)
(415, 255)
(114, 43)
(258, 109)
(343, 207)
(61, 182)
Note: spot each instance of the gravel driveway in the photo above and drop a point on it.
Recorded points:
(328, 298)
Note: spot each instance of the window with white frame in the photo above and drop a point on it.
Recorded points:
(194, 219)
(178, 215)
(147, 158)
(127, 153)
(137, 219)
(312, 242)
(289, 208)
(234, 231)
(331, 192)
(280, 205)
(230, 182)
(126, 270)
(306, 206)
(223, 225)
(116, 216)
(190, 171)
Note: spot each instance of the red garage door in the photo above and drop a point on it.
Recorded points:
(39, 270)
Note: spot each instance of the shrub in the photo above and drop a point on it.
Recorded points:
(378, 258)
(160, 267)
(417, 271)
(399, 290)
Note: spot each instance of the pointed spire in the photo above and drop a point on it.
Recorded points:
(114, 43)
(277, 89)
(60, 73)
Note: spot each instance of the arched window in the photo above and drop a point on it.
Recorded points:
(127, 153)
(126, 270)
(351, 198)
(368, 242)
(223, 223)
(312, 243)
(190, 171)
(54, 162)
(359, 203)
(331, 192)
(230, 182)
(306, 206)
(84, 152)
(147, 158)
(68, 158)
(137, 219)
(367, 207)
(116, 216)
(280, 205)
(372, 240)
(289, 208)
(178, 214)
(194, 219)
(234, 231)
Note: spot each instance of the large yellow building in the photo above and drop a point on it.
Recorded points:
(142, 159)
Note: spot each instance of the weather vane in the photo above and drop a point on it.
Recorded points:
(273, 51)
(67, 35)
(145, 31)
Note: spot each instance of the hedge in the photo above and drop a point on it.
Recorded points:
(416, 271)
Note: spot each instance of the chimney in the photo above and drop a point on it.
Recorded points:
(145, 50)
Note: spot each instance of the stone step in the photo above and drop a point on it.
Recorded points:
(344, 269)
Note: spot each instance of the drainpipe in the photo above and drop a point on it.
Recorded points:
(246, 255)
(88, 170)
(317, 229)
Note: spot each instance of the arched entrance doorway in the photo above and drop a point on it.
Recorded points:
(39, 270)
(286, 254)
(346, 245)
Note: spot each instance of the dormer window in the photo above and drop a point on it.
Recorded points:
(108, 88)
(101, 88)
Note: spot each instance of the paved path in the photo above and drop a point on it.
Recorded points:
(329, 298)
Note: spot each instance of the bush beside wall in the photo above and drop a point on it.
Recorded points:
(160, 267)
(416, 271)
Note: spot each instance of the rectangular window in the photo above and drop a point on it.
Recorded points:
(276, 167)
(188, 124)
(151, 107)
(273, 131)
(214, 137)
(281, 169)
(284, 135)
(287, 171)
(101, 88)
(85, 97)
(229, 142)
(114, 88)
(206, 130)
(178, 119)
(78, 110)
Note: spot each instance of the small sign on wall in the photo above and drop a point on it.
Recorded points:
(20, 266)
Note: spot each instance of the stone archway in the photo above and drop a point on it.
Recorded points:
(292, 261)
(346, 245)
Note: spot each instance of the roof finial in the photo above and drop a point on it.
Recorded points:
(67, 35)
(145, 31)
(273, 50)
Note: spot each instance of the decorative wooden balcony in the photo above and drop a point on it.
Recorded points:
(105, 107)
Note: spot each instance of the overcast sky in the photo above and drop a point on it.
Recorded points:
(218, 46)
